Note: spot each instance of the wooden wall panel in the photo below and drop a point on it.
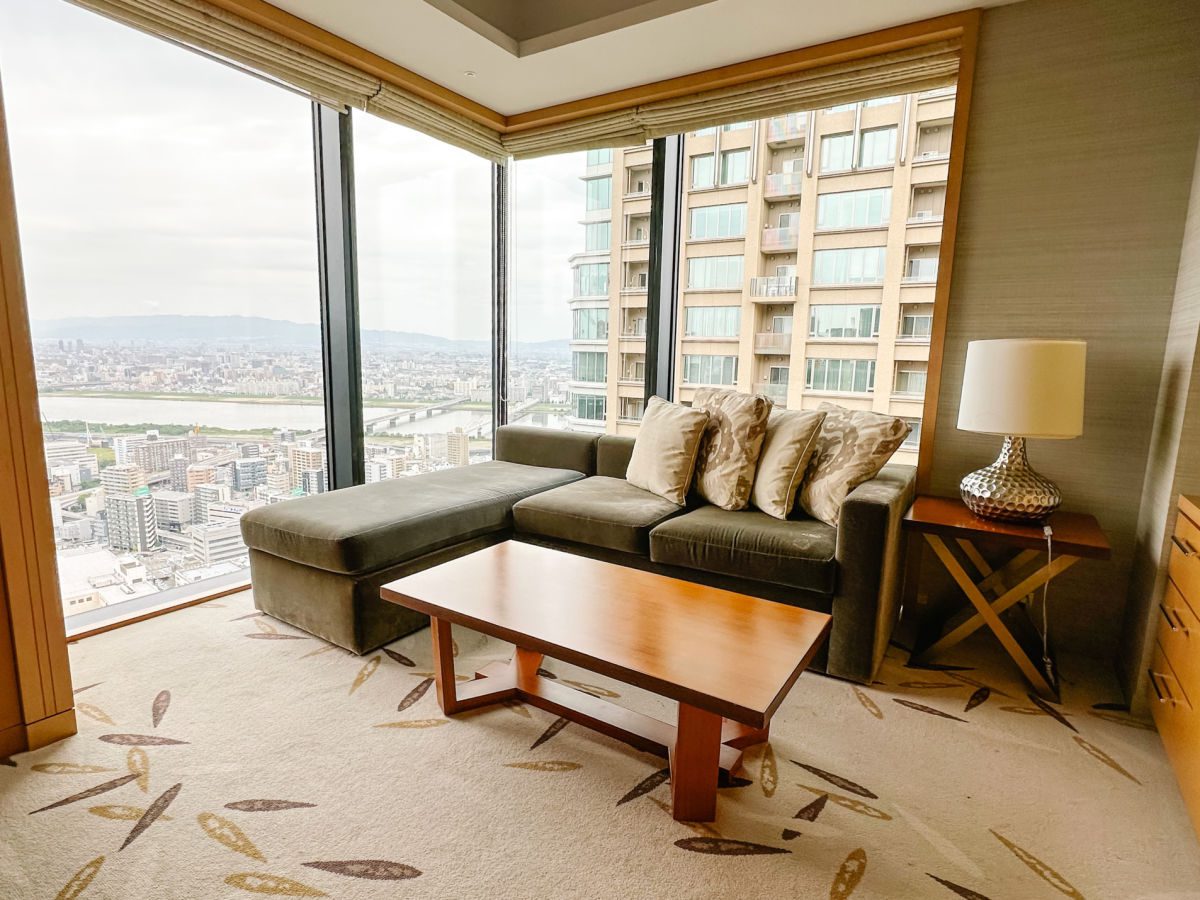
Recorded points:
(1082, 140)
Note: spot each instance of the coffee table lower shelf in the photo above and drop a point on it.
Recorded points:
(699, 746)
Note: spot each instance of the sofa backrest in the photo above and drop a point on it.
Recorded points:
(612, 455)
(550, 448)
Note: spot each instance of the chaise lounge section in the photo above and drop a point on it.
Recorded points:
(318, 562)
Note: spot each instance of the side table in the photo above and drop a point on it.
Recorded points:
(1075, 536)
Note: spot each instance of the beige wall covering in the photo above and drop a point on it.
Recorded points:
(1079, 161)
(1173, 465)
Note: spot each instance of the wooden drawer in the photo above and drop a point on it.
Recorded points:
(1184, 563)
(1179, 725)
(1179, 637)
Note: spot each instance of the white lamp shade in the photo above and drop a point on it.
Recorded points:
(1026, 388)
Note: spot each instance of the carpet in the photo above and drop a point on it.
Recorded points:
(224, 754)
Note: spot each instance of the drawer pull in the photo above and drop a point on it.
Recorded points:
(1168, 612)
(1184, 545)
(1162, 698)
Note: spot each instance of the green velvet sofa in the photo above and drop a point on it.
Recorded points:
(318, 562)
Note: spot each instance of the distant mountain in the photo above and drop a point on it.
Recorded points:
(241, 330)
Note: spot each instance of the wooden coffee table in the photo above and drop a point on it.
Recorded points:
(728, 659)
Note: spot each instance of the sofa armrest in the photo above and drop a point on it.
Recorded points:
(870, 557)
(549, 448)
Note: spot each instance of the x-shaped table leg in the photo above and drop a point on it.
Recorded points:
(989, 613)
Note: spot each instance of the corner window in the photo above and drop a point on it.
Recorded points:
(599, 193)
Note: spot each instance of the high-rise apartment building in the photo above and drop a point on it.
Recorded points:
(458, 448)
(305, 457)
(154, 453)
(179, 472)
(249, 472)
(205, 496)
(122, 478)
(132, 523)
(200, 474)
(808, 267)
(172, 509)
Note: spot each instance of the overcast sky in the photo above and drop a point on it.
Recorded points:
(151, 181)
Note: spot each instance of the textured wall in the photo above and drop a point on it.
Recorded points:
(1173, 466)
(1082, 141)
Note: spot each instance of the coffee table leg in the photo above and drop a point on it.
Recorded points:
(695, 764)
(443, 665)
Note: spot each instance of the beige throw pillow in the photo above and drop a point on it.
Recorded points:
(733, 438)
(787, 450)
(664, 454)
(852, 447)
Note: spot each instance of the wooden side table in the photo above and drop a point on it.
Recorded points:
(1076, 536)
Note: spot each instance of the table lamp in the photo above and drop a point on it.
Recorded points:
(1019, 389)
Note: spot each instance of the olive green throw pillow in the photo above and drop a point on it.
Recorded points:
(853, 446)
(664, 454)
(787, 450)
(733, 439)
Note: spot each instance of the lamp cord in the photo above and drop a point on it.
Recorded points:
(1046, 661)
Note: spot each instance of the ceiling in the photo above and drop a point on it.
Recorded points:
(687, 38)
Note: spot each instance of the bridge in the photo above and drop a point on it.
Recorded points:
(378, 423)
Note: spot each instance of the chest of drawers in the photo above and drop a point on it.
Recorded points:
(1174, 676)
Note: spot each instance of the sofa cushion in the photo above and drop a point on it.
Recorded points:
(613, 453)
(750, 544)
(733, 439)
(664, 452)
(364, 528)
(552, 448)
(790, 443)
(853, 445)
(600, 512)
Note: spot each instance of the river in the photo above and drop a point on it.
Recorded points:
(248, 416)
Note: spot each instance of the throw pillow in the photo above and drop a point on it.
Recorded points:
(664, 454)
(733, 439)
(787, 450)
(852, 447)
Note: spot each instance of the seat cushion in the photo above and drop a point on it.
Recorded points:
(750, 544)
(600, 512)
(364, 528)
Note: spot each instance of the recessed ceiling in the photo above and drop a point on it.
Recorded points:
(524, 27)
(424, 39)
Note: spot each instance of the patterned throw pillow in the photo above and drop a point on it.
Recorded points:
(664, 454)
(733, 439)
(789, 446)
(851, 449)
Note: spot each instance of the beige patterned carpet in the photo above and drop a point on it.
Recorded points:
(223, 754)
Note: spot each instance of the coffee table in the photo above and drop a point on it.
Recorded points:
(728, 659)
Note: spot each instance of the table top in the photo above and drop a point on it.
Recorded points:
(1075, 534)
(723, 652)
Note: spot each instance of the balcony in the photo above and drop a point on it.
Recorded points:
(781, 185)
(925, 217)
(776, 342)
(921, 271)
(787, 129)
(776, 393)
(780, 240)
(773, 286)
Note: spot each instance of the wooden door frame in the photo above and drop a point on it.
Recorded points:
(30, 601)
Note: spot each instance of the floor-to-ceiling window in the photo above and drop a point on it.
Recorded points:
(424, 233)
(560, 233)
(835, 221)
(167, 228)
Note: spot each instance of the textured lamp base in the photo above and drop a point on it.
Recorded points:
(1009, 489)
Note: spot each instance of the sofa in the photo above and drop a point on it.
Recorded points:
(318, 562)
